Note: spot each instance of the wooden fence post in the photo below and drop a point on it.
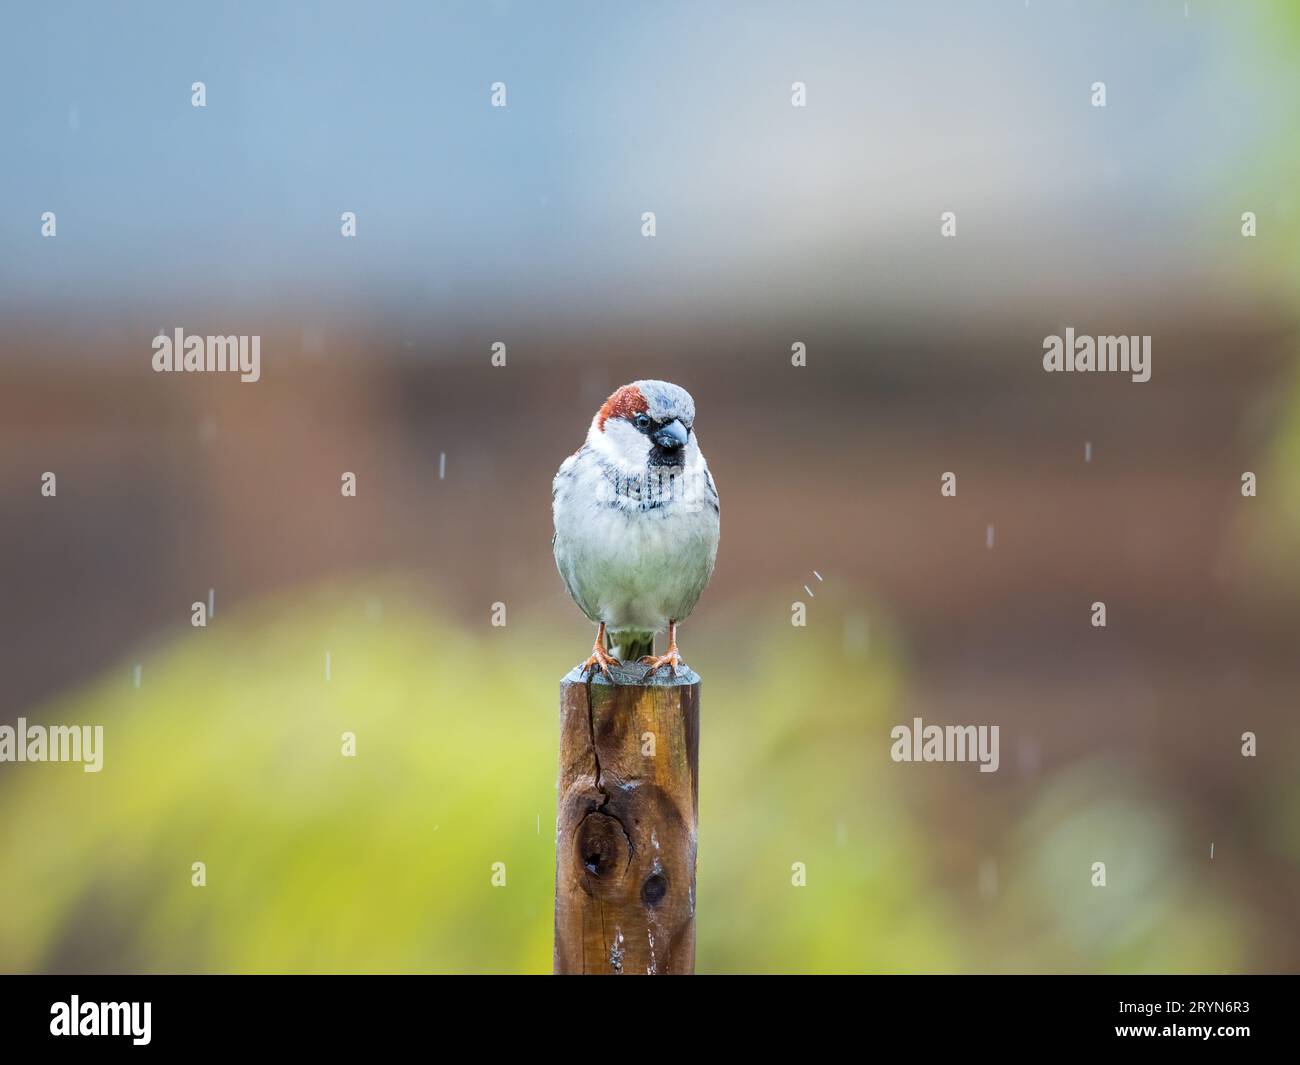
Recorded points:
(625, 827)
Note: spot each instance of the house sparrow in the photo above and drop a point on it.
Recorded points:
(636, 523)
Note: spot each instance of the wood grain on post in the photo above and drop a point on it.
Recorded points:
(625, 827)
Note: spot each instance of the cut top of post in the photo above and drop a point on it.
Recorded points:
(637, 675)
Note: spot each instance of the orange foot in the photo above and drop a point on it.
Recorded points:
(599, 656)
(669, 658)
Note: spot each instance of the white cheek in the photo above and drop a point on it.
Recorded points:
(621, 443)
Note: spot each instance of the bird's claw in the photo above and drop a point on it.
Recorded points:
(602, 658)
(671, 659)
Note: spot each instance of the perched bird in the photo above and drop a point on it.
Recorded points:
(636, 523)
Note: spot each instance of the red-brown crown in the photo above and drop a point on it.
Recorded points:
(627, 402)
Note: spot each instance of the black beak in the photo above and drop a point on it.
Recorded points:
(671, 437)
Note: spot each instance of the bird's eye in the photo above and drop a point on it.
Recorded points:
(642, 421)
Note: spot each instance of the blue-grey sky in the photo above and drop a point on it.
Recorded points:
(613, 109)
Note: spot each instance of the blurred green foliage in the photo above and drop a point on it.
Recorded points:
(230, 753)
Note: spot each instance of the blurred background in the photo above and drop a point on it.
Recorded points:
(775, 224)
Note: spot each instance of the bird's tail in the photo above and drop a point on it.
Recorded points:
(629, 646)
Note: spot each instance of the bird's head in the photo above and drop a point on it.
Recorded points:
(646, 424)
